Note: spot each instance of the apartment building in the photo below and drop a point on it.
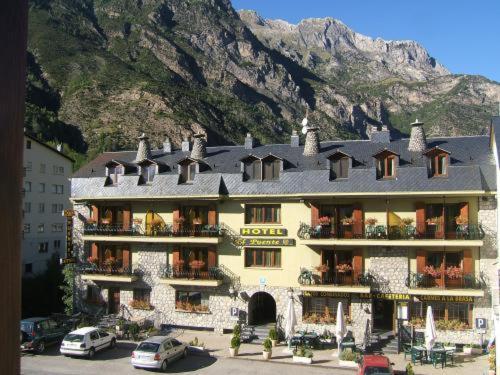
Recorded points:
(203, 236)
(45, 195)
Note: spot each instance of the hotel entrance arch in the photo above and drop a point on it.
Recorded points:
(261, 309)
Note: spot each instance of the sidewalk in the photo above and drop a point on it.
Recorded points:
(217, 345)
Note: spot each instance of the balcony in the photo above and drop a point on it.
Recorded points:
(348, 282)
(361, 234)
(103, 272)
(159, 233)
(212, 276)
(462, 284)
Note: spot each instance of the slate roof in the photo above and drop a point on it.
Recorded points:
(495, 127)
(472, 167)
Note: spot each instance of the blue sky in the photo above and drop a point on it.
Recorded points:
(463, 35)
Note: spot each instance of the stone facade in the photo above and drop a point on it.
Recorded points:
(418, 142)
(389, 266)
(311, 145)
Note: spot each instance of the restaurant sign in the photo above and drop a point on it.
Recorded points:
(270, 232)
(68, 214)
(268, 242)
(307, 293)
(423, 298)
(463, 299)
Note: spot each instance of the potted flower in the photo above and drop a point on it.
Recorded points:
(433, 220)
(322, 268)
(347, 221)
(302, 355)
(453, 272)
(273, 336)
(179, 265)
(197, 264)
(432, 272)
(348, 358)
(196, 345)
(235, 345)
(371, 221)
(407, 221)
(197, 221)
(460, 220)
(473, 349)
(324, 220)
(267, 352)
(106, 220)
(140, 305)
(110, 263)
(344, 268)
(91, 220)
(93, 260)
(492, 360)
(180, 220)
(137, 221)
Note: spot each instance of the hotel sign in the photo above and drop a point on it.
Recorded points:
(269, 232)
(268, 242)
(68, 214)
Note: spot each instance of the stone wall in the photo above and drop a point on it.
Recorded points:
(468, 336)
(389, 266)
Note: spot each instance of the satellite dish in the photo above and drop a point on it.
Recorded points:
(304, 129)
(304, 121)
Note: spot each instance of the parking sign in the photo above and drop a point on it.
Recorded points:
(481, 323)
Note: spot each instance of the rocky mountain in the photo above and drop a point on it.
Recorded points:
(101, 71)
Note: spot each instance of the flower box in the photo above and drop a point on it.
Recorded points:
(303, 360)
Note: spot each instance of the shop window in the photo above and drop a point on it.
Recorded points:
(191, 301)
(269, 258)
(142, 295)
(323, 310)
(260, 214)
(447, 315)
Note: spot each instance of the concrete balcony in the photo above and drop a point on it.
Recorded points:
(348, 282)
(212, 276)
(466, 285)
(107, 274)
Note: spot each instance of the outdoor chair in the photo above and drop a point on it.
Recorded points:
(409, 231)
(437, 358)
(407, 350)
(380, 231)
(416, 355)
(370, 231)
(450, 357)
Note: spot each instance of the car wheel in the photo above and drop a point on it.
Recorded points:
(112, 344)
(185, 353)
(164, 365)
(41, 347)
(91, 353)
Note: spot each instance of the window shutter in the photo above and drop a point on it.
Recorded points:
(192, 171)
(344, 167)
(276, 169)
(126, 258)
(421, 256)
(176, 214)
(95, 213)
(94, 250)
(420, 218)
(314, 214)
(249, 171)
(257, 170)
(467, 262)
(464, 210)
(126, 218)
(357, 263)
(357, 215)
(212, 215)
(212, 257)
(176, 256)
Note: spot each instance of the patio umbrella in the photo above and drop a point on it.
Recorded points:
(430, 329)
(290, 321)
(340, 327)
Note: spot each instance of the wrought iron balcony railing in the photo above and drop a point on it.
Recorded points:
(461, 281)
(310, 277)
(103, 269)
(163, 230)
(186, 272)
(383, 232)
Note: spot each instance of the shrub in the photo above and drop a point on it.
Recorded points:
(348, 355)
(267, 345)
(492, 358)
(235, 342)
(474, 346)
(133, 329)
(273, 335)
(237, 330)
(409, 369)
(301, 351)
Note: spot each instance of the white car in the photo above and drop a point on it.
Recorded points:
(157, 352)
(86, 341)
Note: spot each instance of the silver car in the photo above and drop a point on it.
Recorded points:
(157, 352)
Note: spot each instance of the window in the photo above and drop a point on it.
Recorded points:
(252, 170)
(94, 336)
(41, 208)
(148, 173)
(386, 167)
(323, 309)
(54, 208)
(28, 145)
(57, 189)
(190, 254)
(103, 333)
(42, 168)
(93, 294)
(41, 187)
(28, 267)
(443, 311)
(57, 244)
(57, 170)
(269, 214)
(439, 165)
(43, 247)
(191, 301)
(262, 257)
(57, 227)
(114, 172)
(29, 166)
(27, 207)
(27, 228)
(339, 167)
(188, 172)
(271, 169)
(27, 186)
(41, 228)
(142, 295)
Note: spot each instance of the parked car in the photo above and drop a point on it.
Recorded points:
(85, 342)
(38, 333)
(375, 365)
(157, 352)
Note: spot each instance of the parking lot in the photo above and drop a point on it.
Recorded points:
(117, 361)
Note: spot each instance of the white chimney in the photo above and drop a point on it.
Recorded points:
(167, 146)
(294, 139)
(248, 141)
(185, 146)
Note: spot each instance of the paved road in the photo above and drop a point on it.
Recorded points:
(117, 361)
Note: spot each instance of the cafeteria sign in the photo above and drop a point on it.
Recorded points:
(268, 242)
(68, 214)
(271, 232)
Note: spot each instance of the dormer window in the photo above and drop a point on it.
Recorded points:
(188, 171)
(113, 172)
(148, 172)
(386, 164)
(438, 161)
(252, 169)
(271, 168)
(339, 165)
(265, 169)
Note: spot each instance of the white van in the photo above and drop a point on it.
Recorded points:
(86, 341)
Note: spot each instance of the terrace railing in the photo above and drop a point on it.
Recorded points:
(463, 281)
(163, 230)
(310, 277)
(211, 273)
(103, 269)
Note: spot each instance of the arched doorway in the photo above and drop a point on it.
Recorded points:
(261, 309)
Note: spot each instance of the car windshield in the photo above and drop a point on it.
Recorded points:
(26, 326)
(71, 337)
(372, 370)
(148, 347)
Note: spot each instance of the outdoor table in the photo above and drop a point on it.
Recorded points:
(442, 353)
(423, 350)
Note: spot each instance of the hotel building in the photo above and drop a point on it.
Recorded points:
(193, 236)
